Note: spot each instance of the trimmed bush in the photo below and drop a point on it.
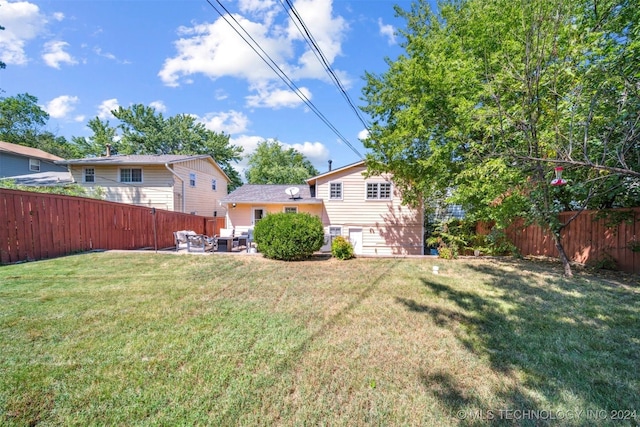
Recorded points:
(341, 248)
(289, 236)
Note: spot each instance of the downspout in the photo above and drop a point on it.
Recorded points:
(166, 165)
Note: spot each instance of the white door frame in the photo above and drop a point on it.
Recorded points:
(253, 213)
(355, 241)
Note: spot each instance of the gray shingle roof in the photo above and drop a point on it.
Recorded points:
(42, 179)
(269, 193)
(137, 159)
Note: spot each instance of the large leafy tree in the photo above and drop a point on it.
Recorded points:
(146, 131)
(271, 163)
(23, 122)
(492, 95)
(103, 135)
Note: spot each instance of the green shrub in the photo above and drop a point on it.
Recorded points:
(289, 236)
(341, 248)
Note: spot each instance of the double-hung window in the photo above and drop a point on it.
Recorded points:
(335, 191)
(378, 190)
(334, 232)
(214, 185)
(192, 179)
(130, 175)
(89, 175)
(34, 165)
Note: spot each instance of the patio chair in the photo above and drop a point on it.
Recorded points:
(202, 243)
(249, 239)
(180, 238)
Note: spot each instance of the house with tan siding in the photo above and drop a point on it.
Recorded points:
(366, 210)
(180, 183)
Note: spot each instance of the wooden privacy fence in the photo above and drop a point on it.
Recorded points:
(608, 238)
(37, 226)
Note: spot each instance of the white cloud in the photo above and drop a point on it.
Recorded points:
(328, 31)
(316, 152)
(230, 122)
(215, 50)
(107, 55)
(220, 95)
(79, 119)
(256, 6)
(272, 97)
(387, 31)
(23, 22)
(98, 51)
(105, 108)
(60, 107)
(55, 55)
(363, 134)
(159, 106)
(58, 16)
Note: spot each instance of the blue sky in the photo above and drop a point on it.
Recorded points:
(83, 58)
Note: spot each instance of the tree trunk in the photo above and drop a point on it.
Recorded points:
(563, 255)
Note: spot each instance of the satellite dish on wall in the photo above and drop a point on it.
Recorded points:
(292, 191)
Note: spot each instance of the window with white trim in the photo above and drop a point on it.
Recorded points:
(334, 232)
(34, 165)
(89, 175)
(192, 179)
(335, 191)
(214, 185)
(378, 190)
(290, 209)
(130, 175)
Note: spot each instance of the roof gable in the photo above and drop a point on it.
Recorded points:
(335, 171)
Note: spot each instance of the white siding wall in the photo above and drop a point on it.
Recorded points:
(388, 227)
(160, 188)
(155, 190)
(201, 199)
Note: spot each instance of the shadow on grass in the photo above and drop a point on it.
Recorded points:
(570, 342)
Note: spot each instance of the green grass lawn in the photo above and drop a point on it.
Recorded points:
(157, 339)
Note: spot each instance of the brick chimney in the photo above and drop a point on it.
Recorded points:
(108, 150)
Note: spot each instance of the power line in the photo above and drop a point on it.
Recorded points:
(315, 48)
(279, 72)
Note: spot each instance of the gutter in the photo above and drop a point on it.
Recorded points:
(166, 165)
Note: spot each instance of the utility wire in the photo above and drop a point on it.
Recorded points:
(276, 69)
(315, 48)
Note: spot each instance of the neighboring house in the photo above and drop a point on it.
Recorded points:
(367, 211)
(18, 160)
(181, 183)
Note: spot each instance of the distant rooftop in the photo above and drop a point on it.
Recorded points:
(42, 179)
(23, 150)
(133, 159)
